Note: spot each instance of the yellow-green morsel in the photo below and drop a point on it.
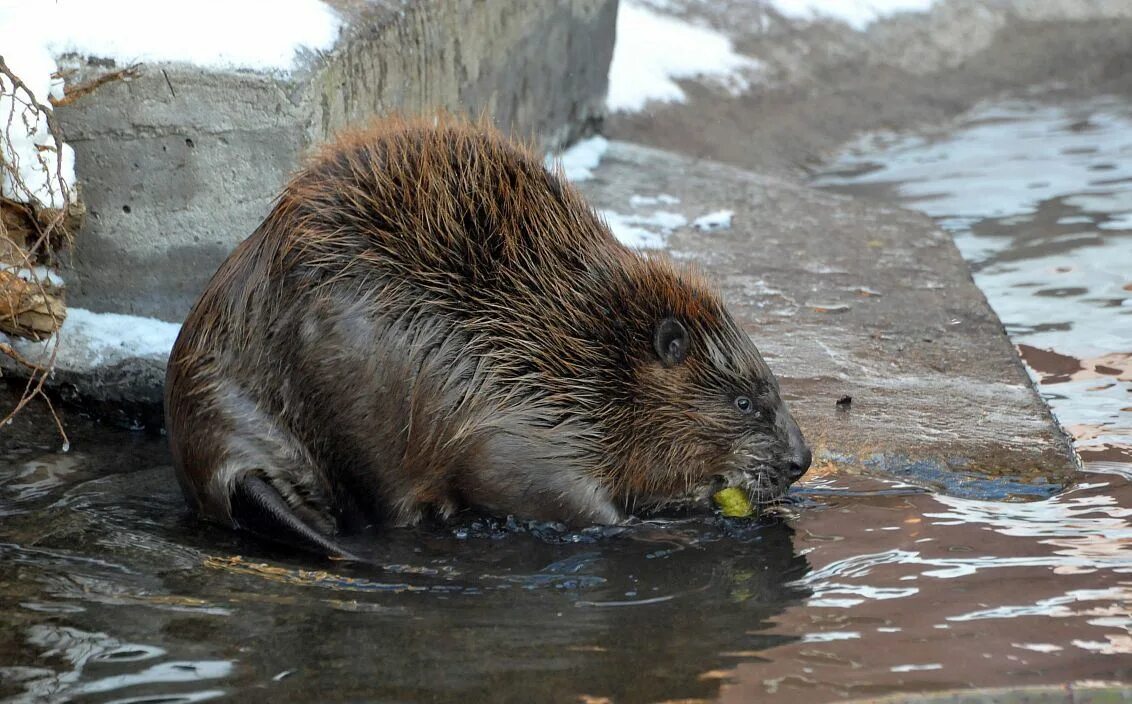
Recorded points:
(733, 502)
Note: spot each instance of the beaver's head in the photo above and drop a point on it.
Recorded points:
(703, 411)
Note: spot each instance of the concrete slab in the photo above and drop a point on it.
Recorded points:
(181, 163)
(853, 299)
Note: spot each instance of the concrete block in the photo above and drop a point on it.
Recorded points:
(181, 163)
(850, 298)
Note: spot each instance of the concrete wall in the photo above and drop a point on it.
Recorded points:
(180, 164)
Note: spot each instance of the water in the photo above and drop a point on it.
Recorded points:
(111, 594)
(865, 587)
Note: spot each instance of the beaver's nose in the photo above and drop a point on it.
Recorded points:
(800, 455)
(800, 462)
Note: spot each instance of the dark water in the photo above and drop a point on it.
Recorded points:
(109, 593)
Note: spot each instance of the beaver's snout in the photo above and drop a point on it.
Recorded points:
(799, 456)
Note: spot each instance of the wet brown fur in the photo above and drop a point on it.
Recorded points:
(428, 314)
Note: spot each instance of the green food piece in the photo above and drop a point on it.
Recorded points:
(733, 502)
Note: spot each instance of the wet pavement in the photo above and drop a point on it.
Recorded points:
(1039, 200)
(888, 354)
(865, 587)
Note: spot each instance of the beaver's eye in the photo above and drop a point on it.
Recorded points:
(744, 404)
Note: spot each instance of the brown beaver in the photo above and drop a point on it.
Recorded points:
(430, 320)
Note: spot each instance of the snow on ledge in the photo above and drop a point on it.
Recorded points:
(579, 161)
(719, 220)
(89, 340)
(858, 14)
(653, 49)
(233, 34)
(643, 231)
(224, 34)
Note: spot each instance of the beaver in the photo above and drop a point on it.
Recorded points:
(430, 320)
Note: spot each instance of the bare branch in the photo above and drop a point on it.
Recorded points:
(74, 93)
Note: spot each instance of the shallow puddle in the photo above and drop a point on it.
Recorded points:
(865, 587)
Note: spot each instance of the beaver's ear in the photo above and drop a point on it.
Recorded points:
(670, 342)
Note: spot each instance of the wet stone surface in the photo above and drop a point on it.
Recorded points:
(1039, 199)
(849, 298)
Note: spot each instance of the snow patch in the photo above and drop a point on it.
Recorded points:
(643, 231)
(916, 668)
(41, 274)
(830, 636)
(719, 220)
(638, 201)
(1038, 647)
(579, 161)
(95, 339)
(653, 49)
(230, 34)
(858, 14)
(26, 145)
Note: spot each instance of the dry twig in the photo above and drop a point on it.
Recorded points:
(30, 303)
(75, 92)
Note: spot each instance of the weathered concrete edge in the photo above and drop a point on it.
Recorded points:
(1036, 466)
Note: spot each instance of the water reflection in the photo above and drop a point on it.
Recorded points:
(100, 663)
(945, 592)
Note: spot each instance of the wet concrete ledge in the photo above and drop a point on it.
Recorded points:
(847, 298)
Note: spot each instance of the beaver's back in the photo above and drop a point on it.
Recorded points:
(456, 209)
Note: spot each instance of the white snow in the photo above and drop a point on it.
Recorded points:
(916, 668)
(638, 201)
(233, 34)
(25, 143)
(1038, 647)
(38, 273)
(858, 14)
(579, 161)
(236, 34)
(94, 339)
(653, 49)
(829, 636)
(719, 220)
(110, 334)
(643, 231)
